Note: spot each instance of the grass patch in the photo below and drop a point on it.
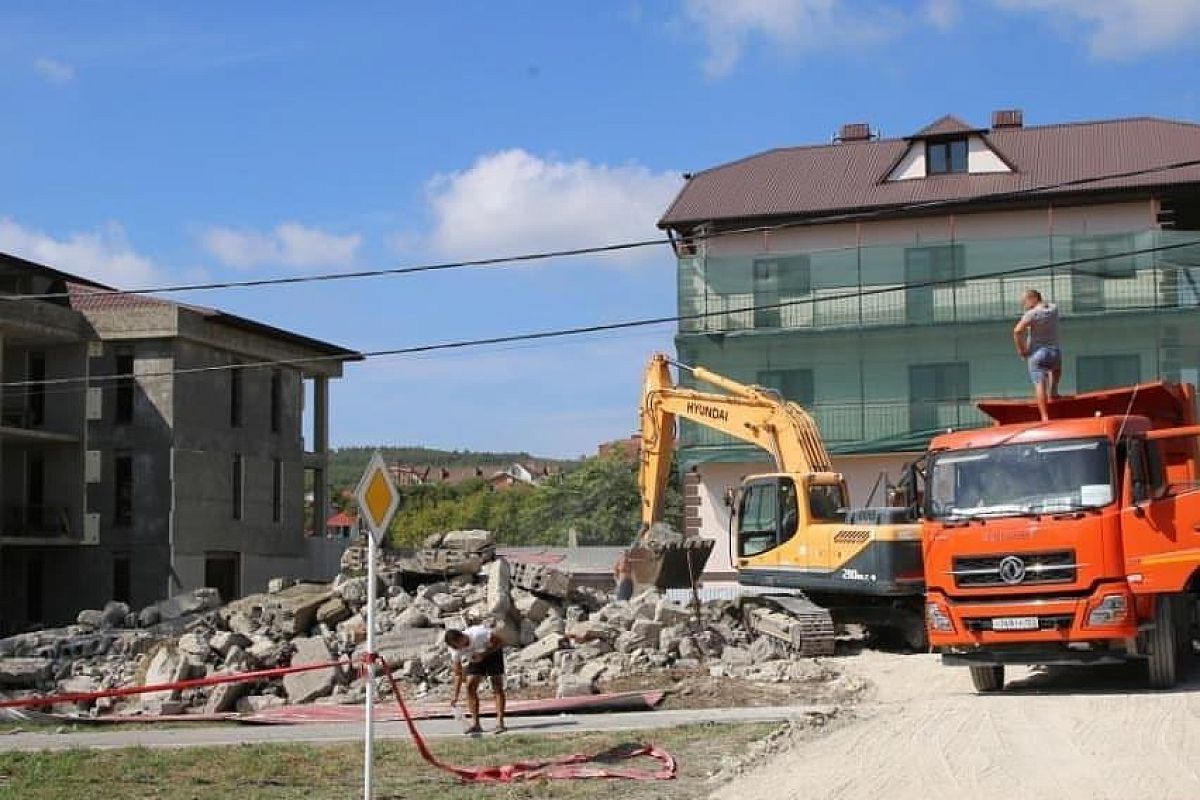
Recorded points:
(314, 772)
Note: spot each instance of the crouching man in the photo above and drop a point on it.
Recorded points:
(477, 651)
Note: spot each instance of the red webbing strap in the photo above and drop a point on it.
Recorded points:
(561, 768)
(125, 691)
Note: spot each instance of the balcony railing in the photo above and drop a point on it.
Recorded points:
(858, 423)
(36, 521)
(937, 283)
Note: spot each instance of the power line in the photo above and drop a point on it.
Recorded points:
(602, 327)
(821, 219)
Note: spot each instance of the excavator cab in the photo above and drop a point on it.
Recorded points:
(770, 509)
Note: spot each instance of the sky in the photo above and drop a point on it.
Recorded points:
(148, 143)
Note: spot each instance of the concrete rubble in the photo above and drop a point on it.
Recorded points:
(568, 638)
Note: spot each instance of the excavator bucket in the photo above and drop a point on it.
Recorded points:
(666, 559)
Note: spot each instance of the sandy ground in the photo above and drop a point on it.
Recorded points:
(922, 733)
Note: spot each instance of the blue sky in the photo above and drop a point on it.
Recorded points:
(147, 143)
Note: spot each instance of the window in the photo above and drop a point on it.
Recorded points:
(1146, 470)
(927, 269)
(936, 394)
(276, 400)
(948, 155)
(277, 491)
(123, 489)
(776, 281)
(1087, 279)
(124, 401)
(235, 397)
(37, 389)
(1093, 373)
(122, 582)
(794, 384)
(238, 478)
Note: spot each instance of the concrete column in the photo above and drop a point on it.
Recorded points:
(321, 450)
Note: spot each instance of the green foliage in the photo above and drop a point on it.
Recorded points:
(599, 500)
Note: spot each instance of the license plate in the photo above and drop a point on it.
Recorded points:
(1015, 624)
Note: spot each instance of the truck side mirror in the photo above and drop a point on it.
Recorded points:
(730, 499)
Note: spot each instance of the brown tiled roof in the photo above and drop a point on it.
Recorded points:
(824, 179)
(948, 124)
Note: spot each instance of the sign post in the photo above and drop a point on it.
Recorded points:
(377, 502)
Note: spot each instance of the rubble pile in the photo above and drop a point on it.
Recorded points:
(570, 639)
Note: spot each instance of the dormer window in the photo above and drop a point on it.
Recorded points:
(946, 156)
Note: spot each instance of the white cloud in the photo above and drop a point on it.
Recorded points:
(104, 255)
(290, 244)
(1122, 28)
(942, 14)
(794, 25)
(513, 202)
(53, 71)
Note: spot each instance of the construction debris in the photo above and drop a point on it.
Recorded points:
(565, 638)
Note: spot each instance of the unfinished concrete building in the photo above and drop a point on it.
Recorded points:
(190, 473)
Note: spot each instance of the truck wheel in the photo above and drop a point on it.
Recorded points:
(988, 679)
(1162, 641)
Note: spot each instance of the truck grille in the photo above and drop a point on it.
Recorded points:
(1015, 569)
(1046, 622)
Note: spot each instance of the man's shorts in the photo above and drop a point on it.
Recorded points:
(1042, 362)
(491, 665)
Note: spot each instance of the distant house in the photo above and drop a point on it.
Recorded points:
(630, 447)
(341, 525)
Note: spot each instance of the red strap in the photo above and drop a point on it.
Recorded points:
(561, 768)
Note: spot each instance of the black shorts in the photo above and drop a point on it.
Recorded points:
(491, 665)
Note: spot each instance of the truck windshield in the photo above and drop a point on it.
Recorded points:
(1020, 479)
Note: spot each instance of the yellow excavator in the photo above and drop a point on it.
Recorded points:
(804, 558)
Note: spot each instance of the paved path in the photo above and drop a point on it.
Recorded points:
(345, 732)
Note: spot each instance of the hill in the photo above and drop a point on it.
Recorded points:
(346, 464)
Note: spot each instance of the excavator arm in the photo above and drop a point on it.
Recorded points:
(751, 414)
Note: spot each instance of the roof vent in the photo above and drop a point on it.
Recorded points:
(1008, 118)
(854, 132)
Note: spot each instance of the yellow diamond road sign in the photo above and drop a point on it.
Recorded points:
(377, 497)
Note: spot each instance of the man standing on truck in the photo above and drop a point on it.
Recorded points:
(1036, 338)
(477, 651)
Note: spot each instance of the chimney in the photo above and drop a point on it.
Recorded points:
(854, 132)
(1008, 118)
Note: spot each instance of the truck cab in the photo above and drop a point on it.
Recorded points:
(1072, 541)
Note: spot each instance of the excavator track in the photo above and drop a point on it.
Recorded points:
(803, 626)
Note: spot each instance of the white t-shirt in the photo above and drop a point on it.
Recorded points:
(478, 639)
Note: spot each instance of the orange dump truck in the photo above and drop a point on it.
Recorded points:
(1073, 541)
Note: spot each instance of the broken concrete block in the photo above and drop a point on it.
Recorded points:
(574, 685)
(406, 644)
(766, 648)
(224, 698)
(736, 656)
(90, 618)
(649, 630)
(399, 602)
(114, 614)
(277, 585)
(470, 540)
(528, 633)
(669, 613)
(333, 611)
(532, 608)
(593, 671)
(427, 591)
(499, 588)
(302, 687)
(447, 603)
(548, 626)
(194, 645)
(254, 703)
(25, 672)
(543, 648)
(412, 617)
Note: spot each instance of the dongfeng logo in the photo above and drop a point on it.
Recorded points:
(1012, 569)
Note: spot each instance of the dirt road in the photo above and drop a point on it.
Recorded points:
(1063, 734)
